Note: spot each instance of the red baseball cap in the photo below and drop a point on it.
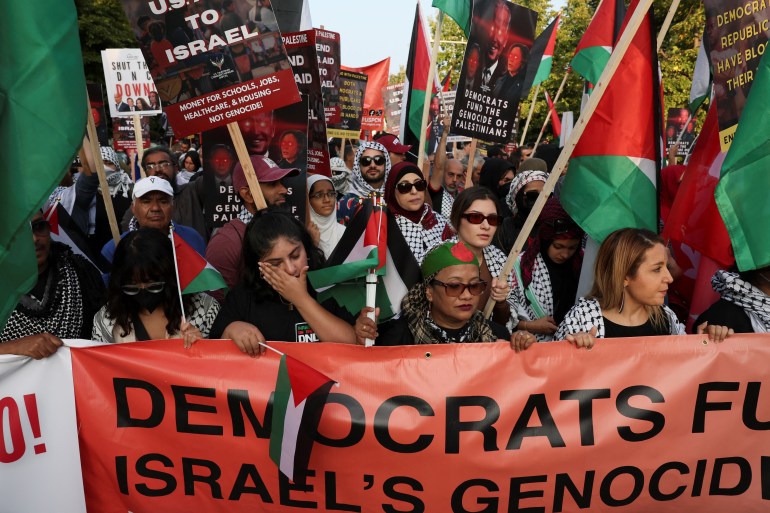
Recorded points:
(265, 169)
(392, 144)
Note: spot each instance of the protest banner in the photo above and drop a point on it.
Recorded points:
(374, 107)
(96, 102)
(494, 70)
(680, 126)
(352, 90)
(124, 135)
(447, 106)
(391, 97)
(129, 83)
(212, 67)
(737, 34)
(39, 453)
(329, 59)
(663, 424)
(301, 48)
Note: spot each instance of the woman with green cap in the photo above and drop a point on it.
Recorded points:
(443, 308)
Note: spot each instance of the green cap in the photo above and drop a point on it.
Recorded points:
(445, 255)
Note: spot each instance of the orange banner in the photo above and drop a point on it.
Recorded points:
(374, 105)
(669, 424)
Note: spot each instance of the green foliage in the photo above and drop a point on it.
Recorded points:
(103, 24)
(399, 77)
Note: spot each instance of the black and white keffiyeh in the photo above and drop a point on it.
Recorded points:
(754, 302)
(537, 300)
(357, 185)
(447, 201)
(59, 311)
(587, 314)
(420, 239)
(245, 216)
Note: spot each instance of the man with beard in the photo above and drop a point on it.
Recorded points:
(370, 170)
(446, 178)
(62, 304)
(497, 40)
(258, 131)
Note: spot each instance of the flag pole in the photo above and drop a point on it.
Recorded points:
(550, 110)
(371, 275)
(529, 116)
(469, 170)
(429, 89)
(248, 169)
(139, 143)
(176, 270)
(96, 155)
(593, 102)
(271, 348)
(667, 23)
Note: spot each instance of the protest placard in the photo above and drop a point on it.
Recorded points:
(352, 90)
(129, 83)
(680, 126)
(212, 67)
(374, 107)
(96, 102)
(494, 70)
(301, 48)
(328, 50)
(391, 97)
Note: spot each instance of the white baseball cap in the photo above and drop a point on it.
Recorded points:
(152, 183)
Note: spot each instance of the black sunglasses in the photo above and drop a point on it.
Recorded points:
(457, 289)
(378, 160)
(478, 218)
(40, 227)
(561, 226)
(406, 187)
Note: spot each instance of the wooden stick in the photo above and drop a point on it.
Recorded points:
(139, 144)
(548, 115)
(529, 116)
(667, 23)
(617, 55)
(248, 169)
(84, 160)
(429, 90)
(99, 164)
(469, 170)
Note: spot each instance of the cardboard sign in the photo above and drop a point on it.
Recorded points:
(676, 125)
(494, 70)
(129, 83)
(123, 138)
(212, 66)
(352, 91)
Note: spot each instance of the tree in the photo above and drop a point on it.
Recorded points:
(103, 24)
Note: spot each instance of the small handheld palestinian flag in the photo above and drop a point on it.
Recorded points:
(194, 273)
(300, 396)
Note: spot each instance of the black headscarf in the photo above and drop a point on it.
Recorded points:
(491, 173)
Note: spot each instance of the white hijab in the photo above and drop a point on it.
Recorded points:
(331, 230)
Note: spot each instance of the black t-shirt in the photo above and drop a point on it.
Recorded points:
(274, 319)
(725, 313)
(648, 329)
(396, 333)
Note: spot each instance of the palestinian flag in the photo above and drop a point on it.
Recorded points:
(541, 56)
(555, 121)
(300, 395)
(700, 89)
(64, 230)
(742, 191)
(416, 83)
(194, 273)
(611, 183)
(459, 10)
(446, 84)
(594, 49)
(372, 240)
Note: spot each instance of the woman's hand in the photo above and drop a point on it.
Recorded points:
(190, 334)
(715, 332)
(542, 326)
(247, 337)
(291, 288)
(583, 339)
(521, 340)
(499, 291)
(366, 327)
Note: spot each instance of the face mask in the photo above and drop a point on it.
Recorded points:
(148, 300)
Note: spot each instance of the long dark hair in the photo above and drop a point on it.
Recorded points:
(465, 199)
(262, 232)
(144, 255)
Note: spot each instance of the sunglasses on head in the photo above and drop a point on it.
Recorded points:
(378, 160)
(457, 289)
(478, 218)
(561, 226)
(406, 187)
(153, 288)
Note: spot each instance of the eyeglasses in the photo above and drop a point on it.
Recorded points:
(323, 195)
(163, 164)
(153, 288)
(478, 218)
(457, 289)
(379, 160)
(406, 187)
(561, 226)
(40, 227)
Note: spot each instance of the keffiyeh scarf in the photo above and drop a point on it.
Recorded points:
(754, 302)
(357, 184)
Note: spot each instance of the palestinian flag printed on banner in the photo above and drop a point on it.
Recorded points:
(195, 274)
(611, 183)
(594, 49)
(300, 395)
(416, 83)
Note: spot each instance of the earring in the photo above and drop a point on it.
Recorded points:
(622, 301)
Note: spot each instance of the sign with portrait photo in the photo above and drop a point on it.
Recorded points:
(494, 70)
(129, 83)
